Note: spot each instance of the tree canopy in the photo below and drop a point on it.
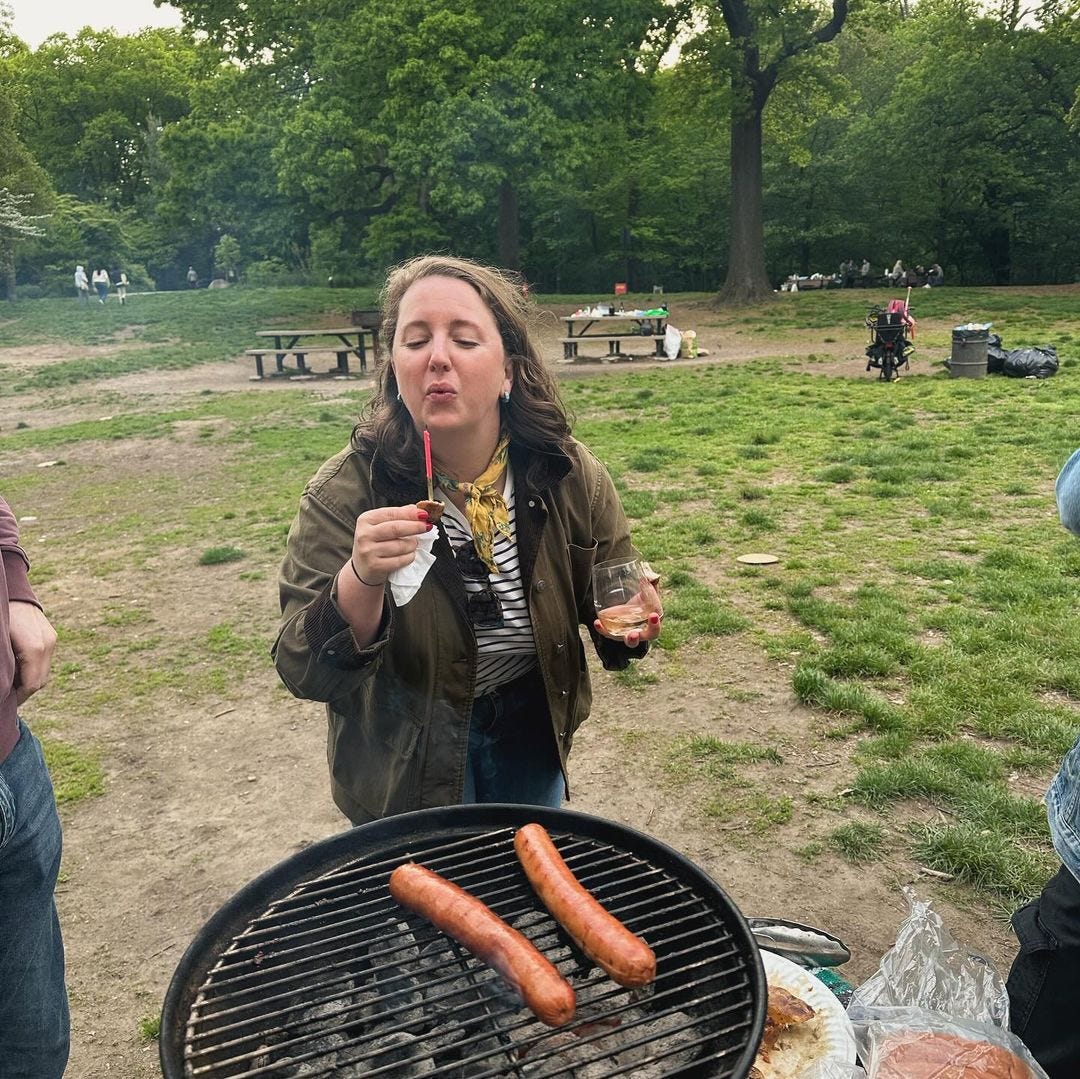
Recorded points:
(683, 143)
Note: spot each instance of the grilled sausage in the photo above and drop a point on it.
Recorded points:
(626, 958)
(479, 929)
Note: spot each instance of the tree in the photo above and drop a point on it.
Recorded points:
(82, 105)
(23, 183)
(763, 39)
(15, 225)
(227, 256)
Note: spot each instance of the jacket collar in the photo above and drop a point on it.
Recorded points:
(534, 470)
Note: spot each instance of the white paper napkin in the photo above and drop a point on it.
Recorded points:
(405, 581)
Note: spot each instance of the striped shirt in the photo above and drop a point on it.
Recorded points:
(505, 653)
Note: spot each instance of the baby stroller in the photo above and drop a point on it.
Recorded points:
(892, 330)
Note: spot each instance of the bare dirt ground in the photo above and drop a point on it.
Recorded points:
(199, 803)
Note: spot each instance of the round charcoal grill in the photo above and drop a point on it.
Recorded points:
(314, 970)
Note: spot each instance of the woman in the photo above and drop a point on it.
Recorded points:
(101, 284)
(472, 690)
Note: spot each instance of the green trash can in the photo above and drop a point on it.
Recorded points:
(970, 346)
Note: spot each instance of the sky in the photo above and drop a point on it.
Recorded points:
(35, 20)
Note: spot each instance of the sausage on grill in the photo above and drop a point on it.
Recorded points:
(626, 958)
(479, 929)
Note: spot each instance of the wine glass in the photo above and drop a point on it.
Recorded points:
(623, 595)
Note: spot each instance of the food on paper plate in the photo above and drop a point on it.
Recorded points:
(625, 957)
(936, 1055)
(479, 929)
(790, 1033)
(433, 509)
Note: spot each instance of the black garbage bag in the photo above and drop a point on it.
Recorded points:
(995, 355)
(1030, 362)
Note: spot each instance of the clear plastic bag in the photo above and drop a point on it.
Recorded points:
(934, 1007)
(830, 1069)
(927, 968)
(916, 1043)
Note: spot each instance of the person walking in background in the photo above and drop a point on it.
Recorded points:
(101, 283)
(192, 277)
(1044, 981)
(82, 285)
(34, 1022)
(121, 287)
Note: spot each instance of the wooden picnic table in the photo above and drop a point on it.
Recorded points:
(580, 328)
(302, 343)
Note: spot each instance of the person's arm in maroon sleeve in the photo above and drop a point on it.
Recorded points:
(31, 635)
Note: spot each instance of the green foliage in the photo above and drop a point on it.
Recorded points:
(150, 1028)
(214, 556)
(76, 772)
(859, 841)
(329, 143)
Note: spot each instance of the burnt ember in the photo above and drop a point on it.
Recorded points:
(335, 979)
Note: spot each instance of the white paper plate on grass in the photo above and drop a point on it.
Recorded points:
(828, 1036)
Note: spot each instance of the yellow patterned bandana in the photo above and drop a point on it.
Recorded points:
(485, 508)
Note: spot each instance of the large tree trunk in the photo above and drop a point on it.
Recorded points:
(751, 84)
(746, 279)
(509, 234)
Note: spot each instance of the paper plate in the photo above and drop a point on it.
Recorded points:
(756, 559)
(828, 1036)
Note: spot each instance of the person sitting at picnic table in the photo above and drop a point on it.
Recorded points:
(936, 276)
(896, 274)
(470, 689)
(1044, 981)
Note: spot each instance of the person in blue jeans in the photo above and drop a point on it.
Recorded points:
(1044, 982)
(34, 1024)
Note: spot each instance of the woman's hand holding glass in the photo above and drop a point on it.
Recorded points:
(385, 540)
(627, 602)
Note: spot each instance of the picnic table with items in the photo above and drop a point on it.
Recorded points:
(608, 322)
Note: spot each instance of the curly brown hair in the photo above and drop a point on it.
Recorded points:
(534, 416)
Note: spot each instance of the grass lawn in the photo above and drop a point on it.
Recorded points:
(925, 595)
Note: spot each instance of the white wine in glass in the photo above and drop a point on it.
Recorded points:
(622, 596)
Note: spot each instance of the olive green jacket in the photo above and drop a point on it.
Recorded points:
(399, 709)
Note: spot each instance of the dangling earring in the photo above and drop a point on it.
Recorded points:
(399, 395)
(505, 395)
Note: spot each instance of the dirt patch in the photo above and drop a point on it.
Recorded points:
(201, 798)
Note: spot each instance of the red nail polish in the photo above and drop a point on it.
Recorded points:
(429, 527)
(421, 515)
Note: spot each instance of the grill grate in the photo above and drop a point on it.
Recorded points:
(335, 979)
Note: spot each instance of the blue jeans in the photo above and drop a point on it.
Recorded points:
(1063, 810)
(1067, 490)
(34, 1025)
(512, 753)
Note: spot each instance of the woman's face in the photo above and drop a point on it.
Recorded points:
(449, 359)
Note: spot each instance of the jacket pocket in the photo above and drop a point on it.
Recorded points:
(1028, 974)
(7, 813)
(581, 560)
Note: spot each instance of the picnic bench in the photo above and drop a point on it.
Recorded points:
(301, 345)
(612, 328)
